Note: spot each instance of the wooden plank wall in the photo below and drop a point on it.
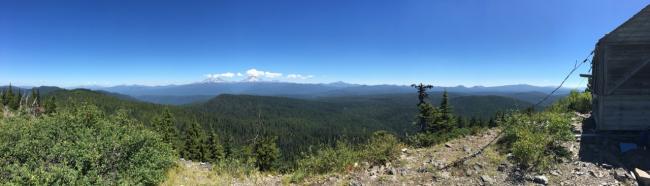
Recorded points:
(628, 106)
(617, 54)
(623, 59)
(625, 112)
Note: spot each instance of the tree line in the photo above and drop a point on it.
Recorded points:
(439, 123)
(15, 99)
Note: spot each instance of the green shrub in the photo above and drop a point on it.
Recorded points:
(381, 148)
(80, 147)
(234, 167)
(535, 139)
(329, 159)
(575, 102)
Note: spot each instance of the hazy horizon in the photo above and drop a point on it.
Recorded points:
(107, 86)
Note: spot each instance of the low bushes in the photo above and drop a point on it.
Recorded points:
(535, 139)
(81, 147)
(574, 102)
(330, 159)
(381, 148)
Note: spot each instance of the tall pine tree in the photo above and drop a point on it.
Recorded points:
(50, 105)
(445, 120)
(15, 102)
(428, 114)
(165, 125)
(8, 96)
(194, 138)
(217, 152)
(3, 96)
(266, 153)
(425, 108)
(228, 147)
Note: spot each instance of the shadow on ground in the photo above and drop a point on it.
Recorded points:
(602, 147)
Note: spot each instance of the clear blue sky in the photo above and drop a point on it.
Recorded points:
(154, 42)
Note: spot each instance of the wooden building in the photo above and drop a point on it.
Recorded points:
(620, 79)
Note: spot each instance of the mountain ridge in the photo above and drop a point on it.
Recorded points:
(303, 90)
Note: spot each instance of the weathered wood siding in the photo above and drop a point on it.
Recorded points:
(621, 76)
(625, 112)
(622, 61)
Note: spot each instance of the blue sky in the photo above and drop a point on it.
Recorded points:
(448, 43)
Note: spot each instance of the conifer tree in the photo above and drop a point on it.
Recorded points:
(427, 115)
(193, 142)
(425, 108)
(266, 153)
(461, 122)
(216, 149)
(15, 102)
(446, 112)
(492, 123)
(7, 96)
(50, 105)
(3, 96)
(445, 120)
(484, 123)
(165, 125)
(228, 148)
(474, 122)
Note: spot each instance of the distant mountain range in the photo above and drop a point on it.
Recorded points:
(302, 90)
(203, 91)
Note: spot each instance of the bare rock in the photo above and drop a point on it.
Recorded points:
(621, 175)
(402, 171)
(555, 172)
(541, 179)
(487, 180)
(606, 166)
(529, 178)
(442, 175)
(642, 176)
(448, 145)
(467, 149)
(392, 171)
(595, 174)
(502, 167)
(469, 172)
(477, 168)
(355, 183)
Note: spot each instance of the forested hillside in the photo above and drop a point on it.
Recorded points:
(299, 123)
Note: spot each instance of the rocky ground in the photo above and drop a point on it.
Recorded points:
(594, 162)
